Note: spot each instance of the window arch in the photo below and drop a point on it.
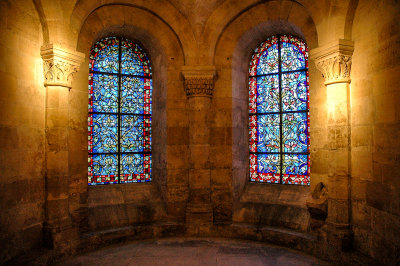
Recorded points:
(120, 110)
(279, 112)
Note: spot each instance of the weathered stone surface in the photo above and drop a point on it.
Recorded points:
(200, 127)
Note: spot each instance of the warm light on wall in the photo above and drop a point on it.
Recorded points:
(39, 76)
(336, 99)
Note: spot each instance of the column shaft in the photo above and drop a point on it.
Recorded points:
(199, 84)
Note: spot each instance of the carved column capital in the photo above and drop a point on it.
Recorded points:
(199, 80)
(334, 61)
(59, 65)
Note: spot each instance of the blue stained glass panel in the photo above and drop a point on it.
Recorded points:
(131, 63)
(106, 59)
(268, 61)
(105, 165)
(120, 107)
(132, 97)
(269, 163)
(268, 133)
(268, 94)
(278, 108)
(104, 133)
(104, 94)
(132, 164)
(295, 132)
(132, 134)
(294, 91)
(295, 164)
(291, 57)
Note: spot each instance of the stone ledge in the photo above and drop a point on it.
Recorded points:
(278, 236)
(265, 193)
(93, 240)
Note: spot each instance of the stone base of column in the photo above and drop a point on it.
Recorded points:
(199, 219)
(61, 236)
(335, 240)
(340, 236)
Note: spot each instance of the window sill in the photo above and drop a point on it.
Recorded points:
(275, 194)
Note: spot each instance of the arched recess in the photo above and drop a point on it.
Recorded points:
(111, 206)
(162, 10)
(276, 205)
(227, 13)
(43, 20)
(348, 26)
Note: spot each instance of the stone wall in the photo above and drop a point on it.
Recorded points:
(22, 98)
(375, 94)
(200, 55)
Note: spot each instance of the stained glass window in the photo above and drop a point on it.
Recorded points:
(279, 112)
(120, 107)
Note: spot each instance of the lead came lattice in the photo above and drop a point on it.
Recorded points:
(120, 108)
(279, 112)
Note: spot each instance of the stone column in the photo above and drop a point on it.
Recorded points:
(59, 66)
(334, 61)
(199, 86)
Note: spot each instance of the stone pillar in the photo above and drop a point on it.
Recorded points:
(59, 66)
(334, 61)
(199, 86)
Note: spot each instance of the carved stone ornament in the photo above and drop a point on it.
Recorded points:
(199, 80)
(59, 65)
(334, 61)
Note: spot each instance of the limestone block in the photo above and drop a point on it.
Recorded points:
(221, 178)
(176, 210)
(222, 213)
(377, 195)
(177, 193)
(362, 164)
(358, 188)
(362, 111)
(199, 156)
(361, 214)
(57, 97)
(107, 216)
(385, 108)
(338, 211)
(361, 136)
(221, 156)
(178, 177)
(177, 156)
(57, 209)
(57, 186)
(19, 192)
(217, 135)
(221, 196)
(199, 178)
(9, 91)
(199, 195)
(56, 139)
(177, 117)
(178, 135)
(57, 117)
(57, 163)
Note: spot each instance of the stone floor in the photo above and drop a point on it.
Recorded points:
(178, 251)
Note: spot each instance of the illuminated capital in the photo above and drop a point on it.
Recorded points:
(59, 65)
(334, 61)
(199, 80)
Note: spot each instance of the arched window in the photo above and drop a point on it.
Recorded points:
(120, 107)
(279, 112)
